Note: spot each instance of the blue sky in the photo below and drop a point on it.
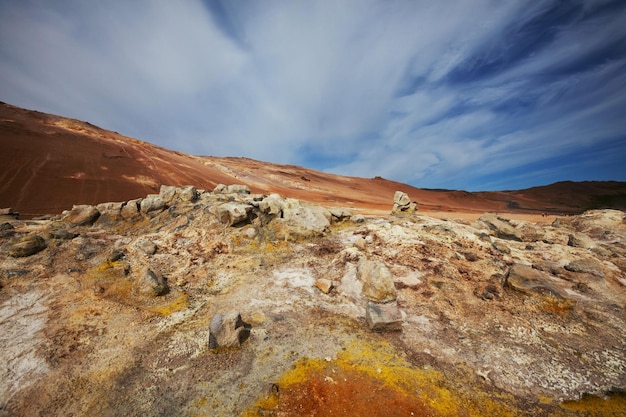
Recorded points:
(469, 94)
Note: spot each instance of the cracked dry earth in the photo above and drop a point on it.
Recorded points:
(499, 317)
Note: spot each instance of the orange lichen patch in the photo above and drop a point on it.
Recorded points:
(370, 379)
(614, 405)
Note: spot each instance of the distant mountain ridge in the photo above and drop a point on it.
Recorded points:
(49, 163)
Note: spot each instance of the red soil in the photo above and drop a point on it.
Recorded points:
(49, 163)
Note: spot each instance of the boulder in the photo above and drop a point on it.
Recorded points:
(402, 204)
(82, 215)
(233, 213)
(383, 317)
(339, 214)
(272, 204)
(188, 194)
(305, 220)
(151, 283)
(228, 330)
(152, 205)
(8, 214)
(501, 227)
(377, 280)
(26, 246)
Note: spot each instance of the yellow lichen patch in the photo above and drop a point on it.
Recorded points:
(170, 306)
(369, 378)
(613, 405)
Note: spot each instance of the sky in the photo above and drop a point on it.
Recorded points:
(469, 94)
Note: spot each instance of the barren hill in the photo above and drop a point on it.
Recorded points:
(49, 163)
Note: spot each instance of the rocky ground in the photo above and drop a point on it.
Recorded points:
(229, 303)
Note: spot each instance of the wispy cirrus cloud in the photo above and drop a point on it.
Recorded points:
(473, 95)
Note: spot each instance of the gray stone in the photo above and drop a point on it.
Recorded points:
(377, 280)
(82, 215)
(383, 317)
(152, 283)
(233, 213)
(228, 330)
(501, 247)
(26, 246)
(357, 218)
(238, 189)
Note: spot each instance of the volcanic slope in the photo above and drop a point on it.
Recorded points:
(49, 163)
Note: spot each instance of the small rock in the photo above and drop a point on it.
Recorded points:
(501, 247)
(360, 243)
(272, 204)
(402, 203)
(26, 246)
(146, 246)
(152, 283)
(228, 330)
(6, 226)
(383, 317)
(324, 285)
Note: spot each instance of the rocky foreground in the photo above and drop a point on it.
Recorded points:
(229, 303)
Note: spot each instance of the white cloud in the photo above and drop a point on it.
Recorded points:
(325, 76)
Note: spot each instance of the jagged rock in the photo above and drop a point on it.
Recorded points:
(586, 266)
(167, 193)
(130, 210)
(324, 285)
(357, 218)
(26, 246)
(581, 240)
(600, 220)
(501, 227)
(501, 247)
(6, 226)
(8, 214)
(152, 205)
(61, 234)
(377, 280)
(527, 280)
(231, 189)
(383, 317)
(151, 283)
(228, 330)
(402, 204)
(82, 215)
(188, 194)
(146, 246)
(272, 204)
(233, 213)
